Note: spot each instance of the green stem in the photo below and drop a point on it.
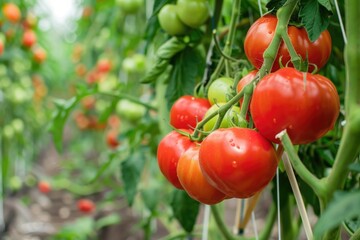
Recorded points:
(295, 58)
(229, 42)
(269, 223)
(356, 235)
(220, 223)
(283, 15)
(287, 218)
(299, 167)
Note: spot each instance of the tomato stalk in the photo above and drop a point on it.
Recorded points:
(283, 16)
(299, 167)
(295, 58)
(228, 45)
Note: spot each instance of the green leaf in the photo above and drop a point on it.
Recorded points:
(185, 209)
(107, 221)
(81, 229)
(326, 4)
(59, 118)
(315, 17)
(344, 206)
(189, 66)
(131, 170)
(355, 167)
(274, 5)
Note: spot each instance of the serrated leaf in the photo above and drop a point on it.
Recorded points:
(315, 18)
(185, 209)
(131, 170)
(188, 67)
(344, 206)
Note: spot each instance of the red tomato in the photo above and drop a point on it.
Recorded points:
(306, 108)
(112, 140)
(39, 55)
(170, 148)
(44, 187)
(29, 38)
(11, 12)
(1, 46)
(262, 32)
(193, 180)
(104, 65)
(237, 161)
(187, 111)
(86, 205)
(244, 81)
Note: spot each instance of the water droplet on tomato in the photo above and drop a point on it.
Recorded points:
(274, 120)
(234, 164)
(232, 144)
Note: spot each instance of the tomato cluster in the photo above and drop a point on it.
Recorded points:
(232, 161)
(176, 19)
(28, 38)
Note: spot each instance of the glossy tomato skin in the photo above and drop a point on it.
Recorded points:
(245, 81)
(219, 90)
(306, 109)
(170, 148)
(187, 111)
(193, 13)
(170, 22)
(237, 161)
(193, 180)
(262, 32)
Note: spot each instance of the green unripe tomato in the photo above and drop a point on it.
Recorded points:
(219, 90)
(129, 110)
(129, 6)
(231, 117)
(18, 125)
(193, 13)
(170, 22)
(134, 64)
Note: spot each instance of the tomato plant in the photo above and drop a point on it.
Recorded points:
(237, 161)
(193, 180)
(169, 151)
(193, 13)
(187, 111)
(262, 32)
(306, 105)
(170, 22)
